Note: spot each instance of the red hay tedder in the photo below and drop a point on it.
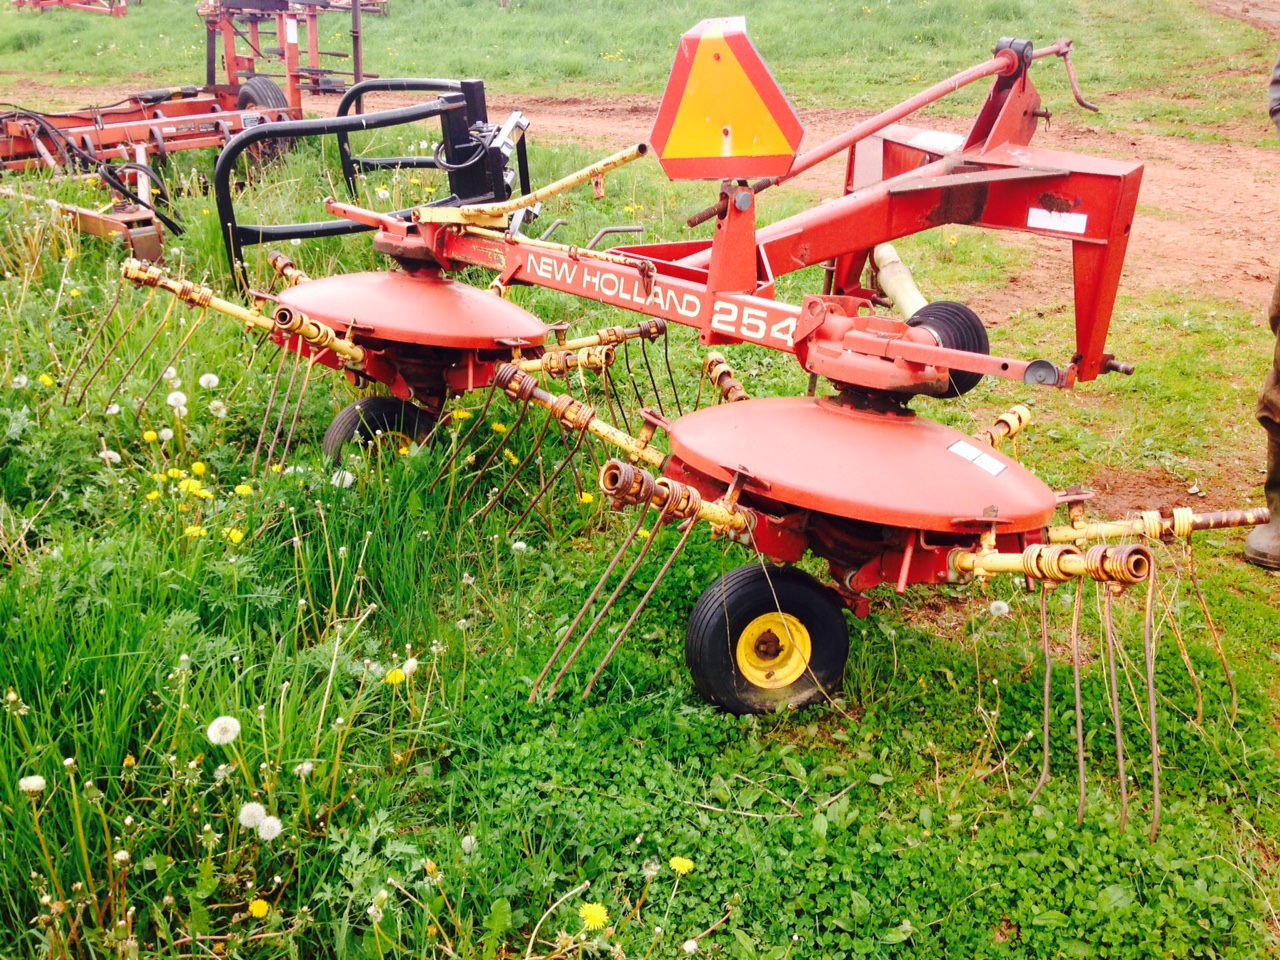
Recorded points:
(856, 478)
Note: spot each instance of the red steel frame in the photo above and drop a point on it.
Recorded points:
(112, 8)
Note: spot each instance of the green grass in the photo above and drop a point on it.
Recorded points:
(1162, 65)
(894, 822)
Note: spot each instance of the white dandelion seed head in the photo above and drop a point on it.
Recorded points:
(470, 844)
(342, 479)
(176, 399)
(180, 412)
(208, 380)
(999, 608)
(691, 947)
(410, 666)
(304, 769)
(32, 785)
(113, 409)
(223, 730)
(251, 815)
(384, 193)
(109, 456)
(169, 373)
(437, 648)
(519, 547)
(270, 828)
(69, 763)
(462, 624)
(165, 435)
(19, 382)
(468, 579)
(121, 856)
(218, 409)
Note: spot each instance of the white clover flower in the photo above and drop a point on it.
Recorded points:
(252, 815)
(19, 382)
(32, 785)
(165, 435)
(208, 380)
(223, 730)
(176, 399)
(999, 608)
(109, 456)
(304, 769)
(218, 409)
(112, 409)
(519, 547)
(121, 857)
(691, 947)
(343, 479)
(470, 845)
(410, 666)
(270, 828)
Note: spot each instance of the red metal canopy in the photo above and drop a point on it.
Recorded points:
(902, 471)
(419, 308)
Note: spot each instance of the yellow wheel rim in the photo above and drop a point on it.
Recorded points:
(773, 651)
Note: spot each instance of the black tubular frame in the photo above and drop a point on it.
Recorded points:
(468, 139)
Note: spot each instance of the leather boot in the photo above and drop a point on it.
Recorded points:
(1263, 545)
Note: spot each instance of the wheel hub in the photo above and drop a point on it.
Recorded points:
(773, 651)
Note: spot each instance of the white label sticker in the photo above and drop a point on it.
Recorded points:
(935, 141)
(1063, 222)
(983, 461)
(291, 29)
(251, 119)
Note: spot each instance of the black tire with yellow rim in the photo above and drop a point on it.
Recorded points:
(387, 423)
(764, 638)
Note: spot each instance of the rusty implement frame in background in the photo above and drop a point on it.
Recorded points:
(112, 8)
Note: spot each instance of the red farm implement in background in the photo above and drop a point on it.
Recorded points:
(112, 8)
(256, 72)
(856, 477)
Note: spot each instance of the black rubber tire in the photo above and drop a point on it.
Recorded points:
(956, 327)
(734, 602)
(261, 92)
(264, 93)
(368, 418)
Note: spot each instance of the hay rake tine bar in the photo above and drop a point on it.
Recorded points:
(98, 331)
(582, 611)
(528, 458)
(1213, 628)
(462, 442)
(644, 602)
(612, 599)
(266, 414)
(182, 344)
(284, 408)
(497, 449)
(1113, 685)
(164, 325)
(297, 407)
(537, 497)
(1149, 652)
(111, 351)
(1045, 587)
(1075, 673)
(1167, 604)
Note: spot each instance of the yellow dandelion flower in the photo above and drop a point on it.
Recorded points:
(199, 469)
(431, 868)
(234, 534)
(259, 908)
(403, 451)
(681, 865)
(643, 534)
(75, 293)
(46, 380)
(499, 427)
(586, 498)
(395, 676)
(243, 489)
(189, 485)
(277, 468)
(150, 436)
(71, 253)
(594, 915)
(158, 477)
(511, 457)
(195, 531)
(462, 415)
(153, 496)
(174, 473)
(204, 494)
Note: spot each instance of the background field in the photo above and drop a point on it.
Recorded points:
(443, 816)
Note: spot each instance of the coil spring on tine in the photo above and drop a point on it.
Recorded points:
(682, 501)
(1127, 563)
(652, 329)
(626, 484)
(195, 294)
(1044, 561)
(504, 375)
